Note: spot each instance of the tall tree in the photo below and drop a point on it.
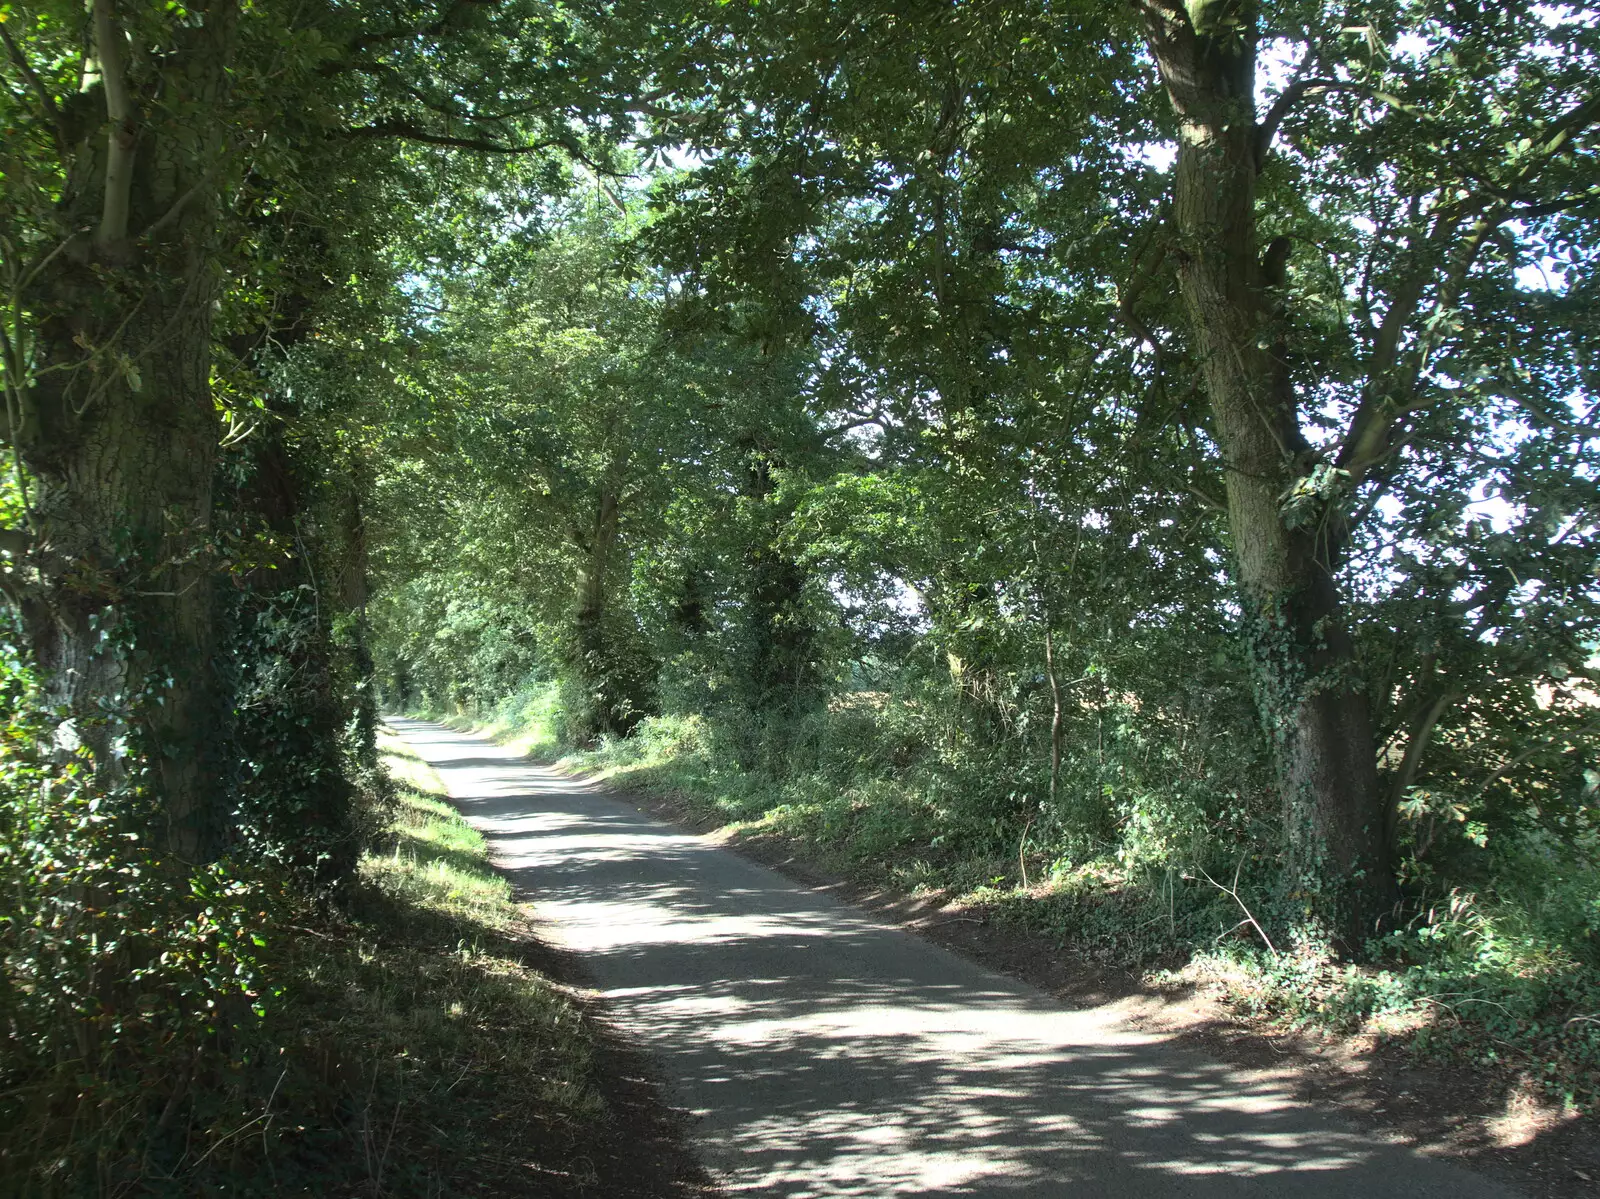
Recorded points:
(113, 289)
(1408, 115)
(153, 144)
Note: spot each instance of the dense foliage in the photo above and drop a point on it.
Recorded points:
(1088, 453)
(208, 215)
(953, 542)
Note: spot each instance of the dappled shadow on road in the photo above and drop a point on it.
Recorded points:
(829, 1056)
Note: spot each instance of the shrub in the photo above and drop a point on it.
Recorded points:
(133, 987)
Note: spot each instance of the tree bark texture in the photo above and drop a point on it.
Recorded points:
(1310, 694)
(119, 433)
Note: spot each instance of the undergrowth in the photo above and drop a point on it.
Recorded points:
(179, 1031)
(1505, 976)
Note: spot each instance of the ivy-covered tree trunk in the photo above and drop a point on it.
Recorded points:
(355, 636)
(782, 649)
(595, 658)
(123, 618)
(1307, 681)
(119, 430)
(288, 678)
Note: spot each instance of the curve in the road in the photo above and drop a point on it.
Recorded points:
(823, 1054)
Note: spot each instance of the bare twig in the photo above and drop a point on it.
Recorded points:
(266, 1114)
(1022, 861)
(1249, 918)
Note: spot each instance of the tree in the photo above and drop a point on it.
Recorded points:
(1291, 493)
(1319, 297)
(155, 151)
(568, 421)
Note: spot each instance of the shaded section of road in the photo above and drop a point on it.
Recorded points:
(826, 1055)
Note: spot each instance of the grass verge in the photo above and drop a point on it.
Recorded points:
(463, 1069)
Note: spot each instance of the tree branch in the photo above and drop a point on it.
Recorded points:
(1489, 599)
(1518, 759)
(1369, 438)
(411, 132)
(1267, 127)
(14, 590)
(121, 134)
(1562, 130)
(451, 108)
(1210, 501)
(1140, 275)
(845, 427)
(1416, 745)
(173, 213)
(1551, 141)
(1300, 88)
(1551, 207)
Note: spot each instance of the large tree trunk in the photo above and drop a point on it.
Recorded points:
(595, 657)
(1307, 682)
(122, 625)
(782, 649)
(354, 566)
(120, 433)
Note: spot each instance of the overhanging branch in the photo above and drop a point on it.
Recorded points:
(1299, 89)
(407, 131)
(1267, 127)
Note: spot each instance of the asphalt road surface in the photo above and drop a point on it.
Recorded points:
(823, 1054)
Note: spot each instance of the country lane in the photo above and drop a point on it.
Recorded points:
(823, 1054)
